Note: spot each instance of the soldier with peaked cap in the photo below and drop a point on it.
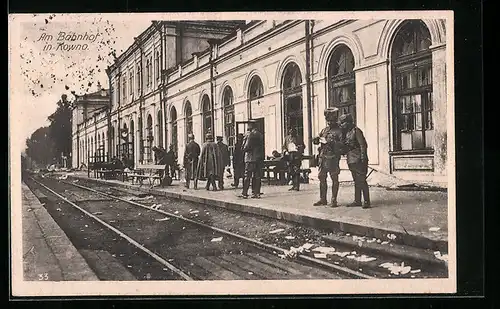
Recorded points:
(225, 159)
(191, 155)
(330, 151)
(238, 160)
(357, 159)
(254, 160)
(209, 166)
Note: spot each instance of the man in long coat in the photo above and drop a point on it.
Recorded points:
(238, 160)
(254, 161)
(225, 159)
(191, 157)
(210, 164)
(357, 159)
(294, 148)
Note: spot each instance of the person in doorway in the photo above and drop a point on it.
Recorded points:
(357, 159)
(238, 160)
(191, 156)
(330, 151)
(254, 161)
(209, 166)
(293, 149)
(225, 160)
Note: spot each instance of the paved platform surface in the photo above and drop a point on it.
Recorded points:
(48, 254)
(416, 218)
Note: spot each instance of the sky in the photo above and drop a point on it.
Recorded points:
(51, 64)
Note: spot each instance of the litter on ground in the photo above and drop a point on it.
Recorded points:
(385, 242)
(320, 255)
(415, 271)
(97, 213)
(391, 236)
(434, 229)
(216, 239)
(396, 269)
(276, 231)
(326, 250)
(290, 237)
(194, 212)
(307, 246)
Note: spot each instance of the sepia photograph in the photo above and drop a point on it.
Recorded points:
(232, 153)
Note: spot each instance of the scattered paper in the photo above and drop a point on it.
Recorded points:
(58, 209)
(86, 225)
(341, 254)
(170, 260)
(176, 212)
(391, 236)
(216, 239)
(434, 229)
(276, 231)
(354, 252)
(307, 246)
(385, 242)
(415, 271)
(290, 237)
(320, 255)
(194, 212)
(325, 250)
(365, 258)
(250, 273)
(379, 241)
(351, 257)
(97, 213)
(163, 219)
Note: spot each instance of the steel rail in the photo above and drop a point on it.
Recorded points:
(254, 242)
(123, 235)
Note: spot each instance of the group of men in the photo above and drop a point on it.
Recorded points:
(340, 137)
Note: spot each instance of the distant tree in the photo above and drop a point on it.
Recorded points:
(40, 147)
(60, 127)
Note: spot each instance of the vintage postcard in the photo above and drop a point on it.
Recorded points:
(232, 153)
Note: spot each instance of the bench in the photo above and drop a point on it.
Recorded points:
(281, 168)
(149, 172)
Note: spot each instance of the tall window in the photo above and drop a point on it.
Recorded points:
(207, 116)
(341, 81)
(139, 78)
(159, 125)
(292, 99)
(148, 64)
(124, 87)
(188, 112)
(132, 142)
(149, 139)
(131, 83)
(412, 88)
(157, 66)
(229, 129)
(173, 120)
(256, 89)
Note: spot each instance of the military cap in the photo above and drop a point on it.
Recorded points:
(219, 137)
(209, 136)
(190, 135)
(331, 110)
(346, 118)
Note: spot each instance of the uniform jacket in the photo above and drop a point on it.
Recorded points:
(225, 153)
(210, 163)
(238, 155)
(253, 146)
(191, 153)
(356, 145)
(334, 146)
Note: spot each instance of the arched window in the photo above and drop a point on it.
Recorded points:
(292, 99)
(341, 81)
(149, 138)
(229, 125)
(412, 88)
(207, 116)
(188, 112)
(173, 120)
(256, 89)
(159, 125)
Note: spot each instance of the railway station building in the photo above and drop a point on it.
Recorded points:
(199, 76)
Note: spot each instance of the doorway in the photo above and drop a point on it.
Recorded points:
(294, 114)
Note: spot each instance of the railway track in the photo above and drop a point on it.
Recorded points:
(164, 245)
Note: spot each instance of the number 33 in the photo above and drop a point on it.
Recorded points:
(43, 277)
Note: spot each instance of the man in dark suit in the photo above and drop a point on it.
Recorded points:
(238, 160)
(254, 160)
(357, 159)
(191, 156)
(225, 160)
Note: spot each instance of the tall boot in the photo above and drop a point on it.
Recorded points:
(335, 191)
(297, 181)
(366, 195)
(322, 193)
(357, 195)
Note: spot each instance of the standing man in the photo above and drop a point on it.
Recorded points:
(225, 159)
(357, 159)
(238, 160)
(254, 161)
(191, 155)
(171, 161)
(330, 151)
(293, 149)
(210, 163)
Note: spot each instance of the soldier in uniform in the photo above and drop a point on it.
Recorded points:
(238, 160)
(254, 160)
(357, 159)
(293, 150)
(225, 160)
(330, 151)
(191, 156)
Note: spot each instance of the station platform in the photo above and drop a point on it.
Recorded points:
(417, 219)
(48, 254)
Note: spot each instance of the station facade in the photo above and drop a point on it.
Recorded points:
(199, 77)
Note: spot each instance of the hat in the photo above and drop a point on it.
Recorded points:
(331, 110)
(240, 135)
(346, 118)
(209, 136)
(219, 137)
(191, 135)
